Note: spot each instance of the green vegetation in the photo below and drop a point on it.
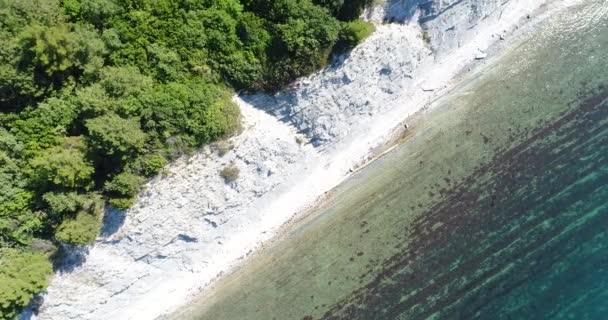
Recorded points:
(230, 173)
(22, 274)
(82, 229)
(98, 95)
(353, 33)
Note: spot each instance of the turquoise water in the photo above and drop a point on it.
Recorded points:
(496, 207)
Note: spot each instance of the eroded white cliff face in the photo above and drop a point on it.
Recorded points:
(419, 44)
(190, 226)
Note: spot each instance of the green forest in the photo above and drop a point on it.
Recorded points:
(97, 96)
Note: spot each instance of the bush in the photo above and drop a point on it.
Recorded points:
(230, 173)
(80, 230)
(125, 184)
(153, 164)
(84, 227)
(122, 203)
(353, 33)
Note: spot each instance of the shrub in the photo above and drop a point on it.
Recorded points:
(125, 184)
(84, 227)
(230, 173)
(353, 33)
(153, 164)
(122, 203)
(80, 230)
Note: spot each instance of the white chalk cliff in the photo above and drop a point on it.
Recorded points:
(188, 226)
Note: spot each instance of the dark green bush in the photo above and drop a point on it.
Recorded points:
(80, 230)
(125, 184)
(121, 203)
(152, 164)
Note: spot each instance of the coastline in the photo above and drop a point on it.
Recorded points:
(301, 193)
(393, 138)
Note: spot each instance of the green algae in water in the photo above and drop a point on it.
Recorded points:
(497, 208)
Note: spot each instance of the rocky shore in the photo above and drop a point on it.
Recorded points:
(191, 225)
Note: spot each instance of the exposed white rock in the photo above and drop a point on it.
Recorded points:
(481, 55)
(190, 226)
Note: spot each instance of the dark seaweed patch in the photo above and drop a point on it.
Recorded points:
(498, 228)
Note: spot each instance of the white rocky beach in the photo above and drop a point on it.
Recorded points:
(189, 226)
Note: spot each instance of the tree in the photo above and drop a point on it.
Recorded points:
(125, 184)
(15, 14)
(114, 136)
(152, 164)
(124, 81)
(98, 12)
(253, 32)
(22, 275)
(166, 64)
(17, 221)
(62, 50)
(88, 51)
(92, 101)
(304, 36)
(42, 127)
(47, 48)
(19, 85)
(64, 166)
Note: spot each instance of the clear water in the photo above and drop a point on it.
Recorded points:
(495, 208)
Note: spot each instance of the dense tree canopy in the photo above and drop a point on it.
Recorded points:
(98, 95)
(22, 274)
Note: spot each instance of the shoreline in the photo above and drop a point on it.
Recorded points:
(395, 137)
(302, 194)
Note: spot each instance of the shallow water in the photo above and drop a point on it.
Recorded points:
(495, 208)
